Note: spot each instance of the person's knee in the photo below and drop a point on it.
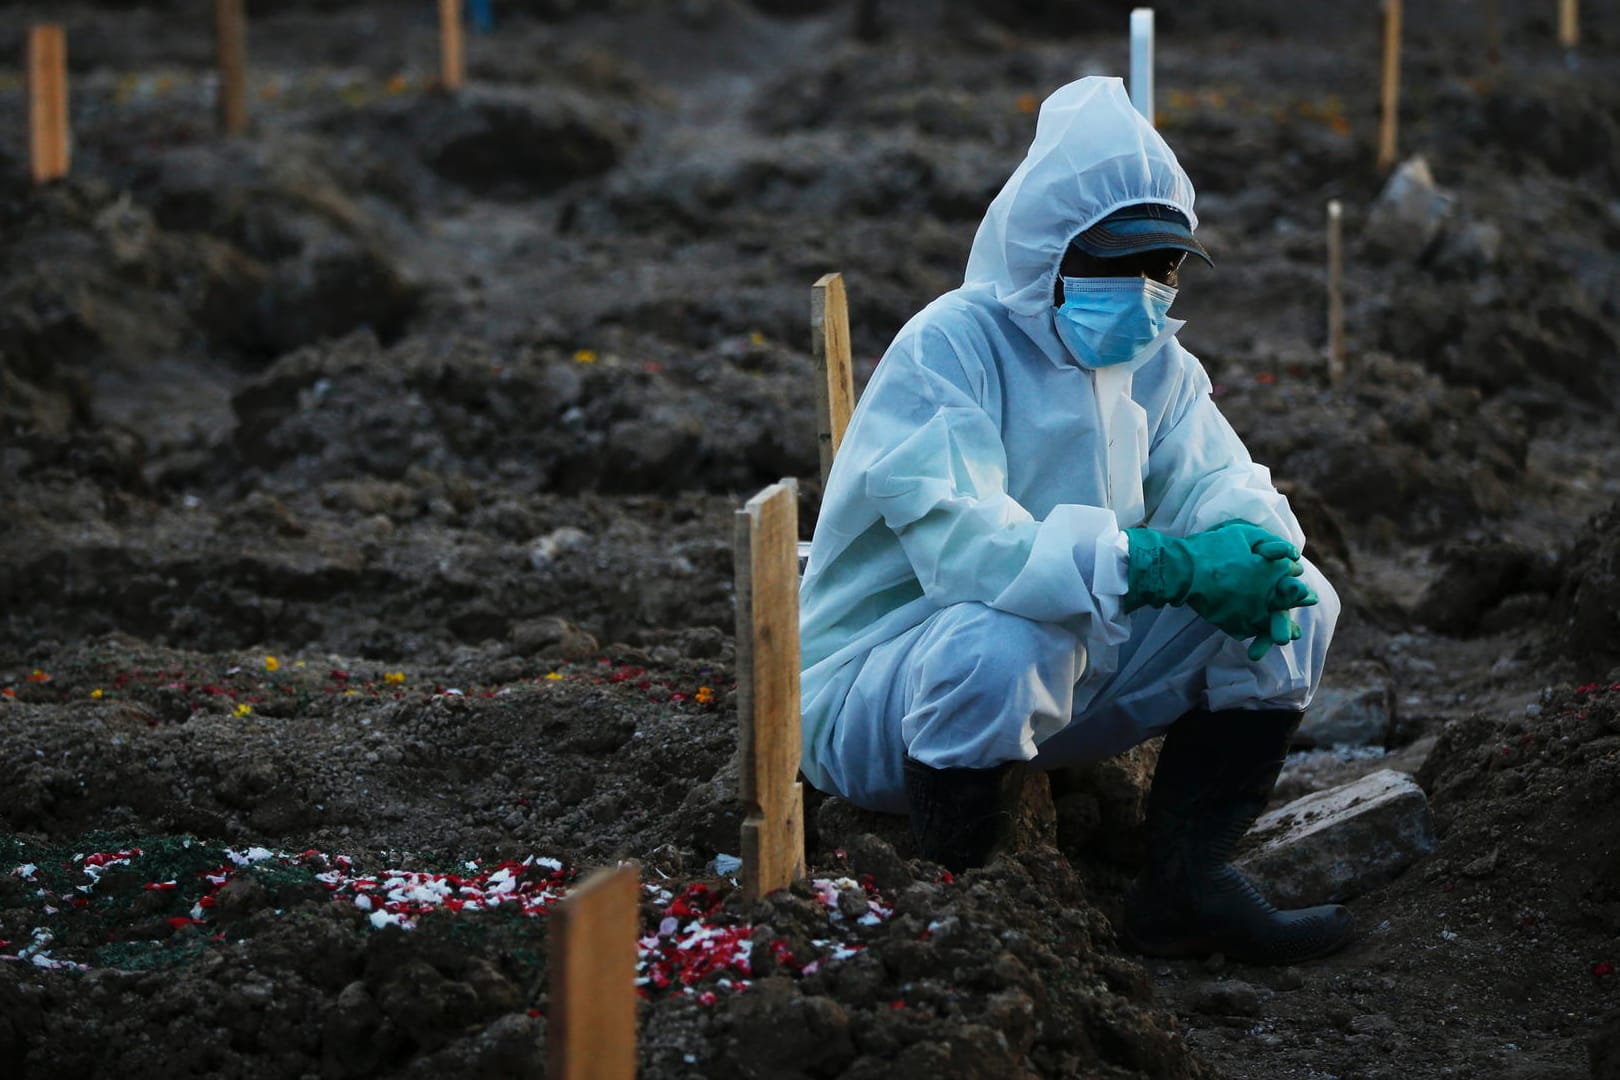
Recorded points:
(985, 686)
(988, 649)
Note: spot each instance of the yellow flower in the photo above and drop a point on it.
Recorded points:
(272, 664)
(244, 709)
(398, 84)
(394, 678)
(704, 696)
(553, 676)
(584, 356)
(350, 693)
(756, 339)
(96, 694)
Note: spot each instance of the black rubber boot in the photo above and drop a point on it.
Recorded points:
(1215, 774)
(960, 816)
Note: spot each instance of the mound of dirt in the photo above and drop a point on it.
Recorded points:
(495, 141)
(1589, 599)
(1529, 800)
(369, 568)
(295, 206)
(154, 741)
(1401, 446)
(92, 280)
(970, 978)
(654, 420)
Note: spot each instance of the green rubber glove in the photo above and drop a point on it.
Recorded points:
(1237, 576)
(1282, 630)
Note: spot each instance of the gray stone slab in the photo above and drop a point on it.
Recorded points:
(1410, 213)
(1348, 716)
(1337, 844)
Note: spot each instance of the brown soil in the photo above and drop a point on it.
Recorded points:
(367, 488)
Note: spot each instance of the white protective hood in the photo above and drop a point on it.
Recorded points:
(984, 465)
(1093, 154)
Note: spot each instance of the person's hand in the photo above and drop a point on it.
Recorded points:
(1282, 630)
(1237, 576)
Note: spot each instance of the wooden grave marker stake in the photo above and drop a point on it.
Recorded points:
(1335, 269)
(47, 103)
(768, 688)
(1390, 92)
(1569, 23)
(230, 31)
(1493, 33)
(591, 1030)
(452, 46)
(835, 382)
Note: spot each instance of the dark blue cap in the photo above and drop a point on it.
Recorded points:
(1131, 230)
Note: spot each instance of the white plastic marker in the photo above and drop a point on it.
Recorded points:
(1335, 269)
(1142, 61)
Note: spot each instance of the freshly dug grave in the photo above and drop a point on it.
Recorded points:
(278, 952)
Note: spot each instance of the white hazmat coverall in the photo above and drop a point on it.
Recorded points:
(962, 600)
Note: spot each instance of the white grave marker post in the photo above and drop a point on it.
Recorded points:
(1142, 61)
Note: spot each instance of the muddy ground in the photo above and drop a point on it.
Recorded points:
(367, 496)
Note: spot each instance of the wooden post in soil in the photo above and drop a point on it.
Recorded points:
(1390, 96)
(1569, 23)
(591, 1032)
(230, 32)
(835, 380)
(1335, 269)
(1493, 33)
(768, 688)
(48, 147)
(452, 46)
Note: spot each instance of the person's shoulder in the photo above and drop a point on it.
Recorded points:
(954, 338)
(966, 320)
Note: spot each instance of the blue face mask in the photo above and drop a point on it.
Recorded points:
(1108, 321)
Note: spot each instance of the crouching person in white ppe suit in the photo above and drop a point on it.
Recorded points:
(1041, 544)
